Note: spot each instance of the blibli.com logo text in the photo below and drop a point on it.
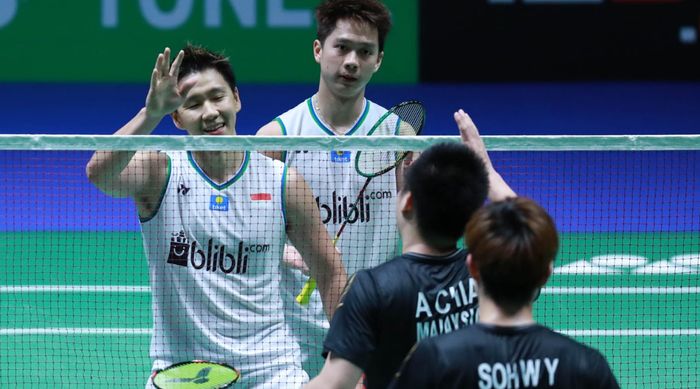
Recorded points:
(213, 257)
(340, 208)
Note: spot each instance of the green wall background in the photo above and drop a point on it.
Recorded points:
(268, 41)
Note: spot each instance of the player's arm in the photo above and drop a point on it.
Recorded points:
(337, 373)
(131, 173)
(417, 370)
(291, 255)
(352, 336)
(309, 236)
(271, 129)
(498, 188)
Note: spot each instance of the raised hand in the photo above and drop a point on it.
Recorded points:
(165, 95)
(498, 187)
(470, 136)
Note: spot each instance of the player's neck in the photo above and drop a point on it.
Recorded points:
(219, 166)
(490, 313)
(426, 250)
(413, 243)
(340, 113)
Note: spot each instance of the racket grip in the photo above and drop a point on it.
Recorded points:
(305, 295)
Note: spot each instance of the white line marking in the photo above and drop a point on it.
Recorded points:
(620, 290)
(147, 331)
(145, 289)
(75, 288)
(633, 332)
(75, 331)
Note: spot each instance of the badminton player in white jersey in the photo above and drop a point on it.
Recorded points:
(214, 226)
(349, 49)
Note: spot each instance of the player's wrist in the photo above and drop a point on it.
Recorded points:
(152, 115)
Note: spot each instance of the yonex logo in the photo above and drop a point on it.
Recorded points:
(633, 264)
(202, 377)
(213, 257)
(182, 189)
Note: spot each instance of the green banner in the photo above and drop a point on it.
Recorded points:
(268, 41)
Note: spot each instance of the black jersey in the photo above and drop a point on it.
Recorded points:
(385, 310)
(484, 357)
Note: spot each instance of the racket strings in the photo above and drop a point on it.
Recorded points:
(195, 375)
(406, 119)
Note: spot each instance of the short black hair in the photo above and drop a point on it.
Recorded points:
(449, 183)
(198, 58)
(372, 12)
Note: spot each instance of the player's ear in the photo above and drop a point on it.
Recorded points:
(380, 57)
(406, 202)
(237, 99)
(176, 120)
(318, 48)
(473, 270)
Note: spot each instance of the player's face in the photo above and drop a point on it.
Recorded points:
(210, 107)
(349, 57)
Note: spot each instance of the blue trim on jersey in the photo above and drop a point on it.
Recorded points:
(162, 192)
(284, 194)
(238, 175)
(283, 129)
(325, 129)
(361, 120)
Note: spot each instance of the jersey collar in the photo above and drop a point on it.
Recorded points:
(327, 130)
(236, 177)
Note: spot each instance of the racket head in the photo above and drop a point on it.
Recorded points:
(195, 375)
(404, 119)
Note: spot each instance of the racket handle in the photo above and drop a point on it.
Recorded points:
(305, 295)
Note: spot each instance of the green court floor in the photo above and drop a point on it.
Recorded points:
(75, 307)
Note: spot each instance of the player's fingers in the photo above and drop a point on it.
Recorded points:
(159, 65)
(463, 124)
(471, 122)
(470, 135)
(175, 68)
(154, 78)
(467, 128)
(166, 61)
(292, 258)
(187, 84)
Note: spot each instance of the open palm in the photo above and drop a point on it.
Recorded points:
(164, 95)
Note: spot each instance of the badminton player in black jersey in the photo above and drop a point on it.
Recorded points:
(512, 245)
(426, 291)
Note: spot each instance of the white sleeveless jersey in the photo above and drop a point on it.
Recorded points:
(214, 259)
(371, 236)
